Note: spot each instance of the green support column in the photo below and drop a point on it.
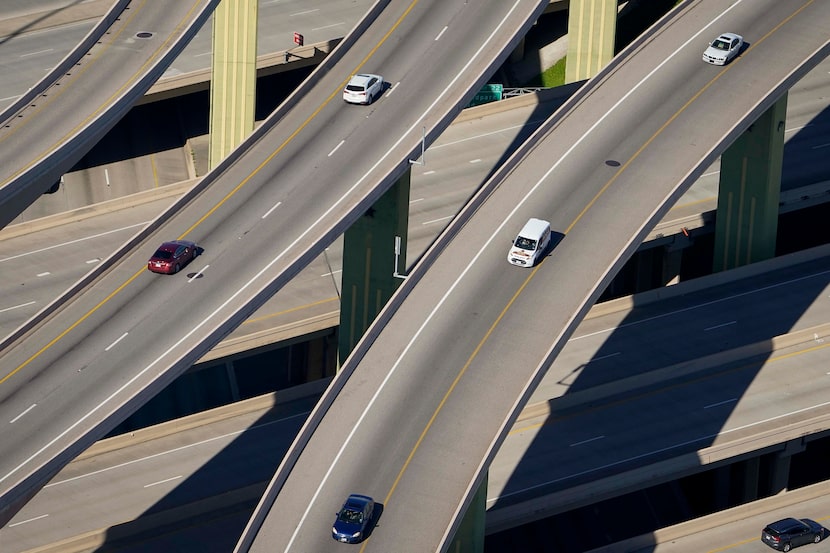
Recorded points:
(233, 76)
(750, 186)
(369, 269)
(470, 535)
(592, 25)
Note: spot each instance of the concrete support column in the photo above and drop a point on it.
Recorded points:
(723, 483)
(673, 257)
(592, 25)
(518, 53)
(369, 268)
(672, 261)
(750, 186)
(751, 472)
(780, 470)
(470, 535)
(233, 76)
(644, 269)
(232, 384)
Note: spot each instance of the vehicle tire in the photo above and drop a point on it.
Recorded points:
(817, 538)
(787, 547)
(176, 269)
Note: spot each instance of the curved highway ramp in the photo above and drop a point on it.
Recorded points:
(121, 334)
(51, 127)
(427, 397)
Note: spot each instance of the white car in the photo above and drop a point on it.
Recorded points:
(723, 49)
(363, 89)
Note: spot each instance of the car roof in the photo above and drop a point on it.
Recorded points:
(785, 524)
(176, 243)
(534, 227)
(728, 37)
(357, 500)
(363, 78)
(172, 245)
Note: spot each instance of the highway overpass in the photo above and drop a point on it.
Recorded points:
(420, 409)
(226, 300)
(215, 464)
(54, 123)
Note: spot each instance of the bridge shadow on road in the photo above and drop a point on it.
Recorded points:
(676, 377)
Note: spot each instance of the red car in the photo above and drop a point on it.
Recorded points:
(170, 257)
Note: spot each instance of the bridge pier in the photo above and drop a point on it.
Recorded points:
(780, 469)
(369, 263)
(470, 535)
(748, 196)
(592, 27)
(233, 76)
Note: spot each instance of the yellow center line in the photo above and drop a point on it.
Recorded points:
(237, 188)
(512, 300)
(457, 380)
(304, 123)
(72, 326)
(677, 114)
(291, 310)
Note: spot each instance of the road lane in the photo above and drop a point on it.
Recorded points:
(417, 422)
(227, 222)
(227, 454)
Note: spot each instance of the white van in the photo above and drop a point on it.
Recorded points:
(531, 242)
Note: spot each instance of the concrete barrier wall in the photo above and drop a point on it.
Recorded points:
(69, 61)
(98, 129)
(709, 522)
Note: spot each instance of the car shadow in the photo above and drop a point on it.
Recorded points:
(370, 528)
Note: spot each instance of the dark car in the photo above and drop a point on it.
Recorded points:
(170, 257)
(353, 519)
(785, 534)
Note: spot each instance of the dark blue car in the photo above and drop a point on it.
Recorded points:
(787, 533)
(353, 519)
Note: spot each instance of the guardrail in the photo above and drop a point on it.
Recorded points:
(71, 59)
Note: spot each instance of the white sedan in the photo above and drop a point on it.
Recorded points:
(723, 49)
(363, 89)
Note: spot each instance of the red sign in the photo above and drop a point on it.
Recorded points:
(298, 39)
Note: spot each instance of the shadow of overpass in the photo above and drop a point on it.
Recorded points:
(19, 25)
(651, 376)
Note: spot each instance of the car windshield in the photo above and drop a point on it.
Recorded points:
(163, 254)
(354, 88)
(525, 243)
(349, 515)
(720, 45)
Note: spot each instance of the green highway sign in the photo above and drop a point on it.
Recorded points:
(488, 93)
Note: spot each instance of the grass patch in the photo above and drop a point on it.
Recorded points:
(550, 77)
